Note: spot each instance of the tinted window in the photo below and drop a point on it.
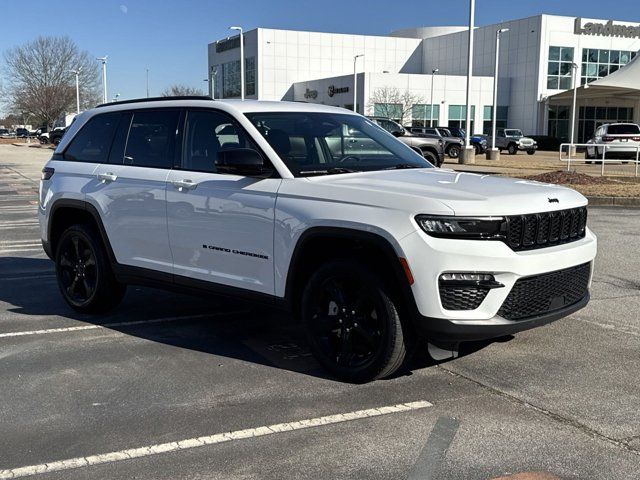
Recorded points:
(628, 129)
(207, 133)
(93, 142)
(151, 140)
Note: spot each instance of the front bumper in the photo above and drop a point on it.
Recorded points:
(527, 148)
(429, 257)
(444, 330)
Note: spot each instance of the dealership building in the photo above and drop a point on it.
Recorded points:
(395, 76)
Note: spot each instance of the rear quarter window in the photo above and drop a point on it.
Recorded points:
(93, 142)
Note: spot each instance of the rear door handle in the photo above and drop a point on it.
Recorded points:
(107, 177)
(185, 184)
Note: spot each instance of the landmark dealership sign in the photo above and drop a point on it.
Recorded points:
(605, 29)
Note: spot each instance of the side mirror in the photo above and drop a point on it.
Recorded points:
(240, 161)
(398, 133)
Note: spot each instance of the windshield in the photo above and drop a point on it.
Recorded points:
(623, 129)
(513, 133)
(313, 143)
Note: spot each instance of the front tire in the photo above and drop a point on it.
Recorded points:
(530, 152)
(453, 151)
(352, 323)
(84, 275)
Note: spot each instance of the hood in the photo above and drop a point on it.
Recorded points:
(463, 193)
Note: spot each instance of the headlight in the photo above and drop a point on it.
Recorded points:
(471, 228)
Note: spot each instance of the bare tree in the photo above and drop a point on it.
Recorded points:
(392, 103)
(40, 84)
(178, 90)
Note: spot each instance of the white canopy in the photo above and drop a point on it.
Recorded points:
(623, 83)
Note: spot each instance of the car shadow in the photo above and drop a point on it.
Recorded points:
(213, 325)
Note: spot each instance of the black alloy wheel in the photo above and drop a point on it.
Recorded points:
(78, 272)
(84, 275)
(352, 325)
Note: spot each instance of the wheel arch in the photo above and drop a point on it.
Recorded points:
(319, 244)
(67, 212)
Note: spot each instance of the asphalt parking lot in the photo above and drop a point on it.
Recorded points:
(170, 386)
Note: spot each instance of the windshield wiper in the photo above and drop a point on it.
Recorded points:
(329, 171)
(401, 166)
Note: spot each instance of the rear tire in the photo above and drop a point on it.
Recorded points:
(352, 322)
(84, 274)
(431, 158)
(512, 149)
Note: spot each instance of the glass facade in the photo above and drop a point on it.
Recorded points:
(600, 63)
(388, 110)
(559, 122)
(590, 118)
(231, 78)
(559, 68)
(458, 116)
(501, 118)
(423, 116)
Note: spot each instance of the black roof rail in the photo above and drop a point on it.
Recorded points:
(156, 99)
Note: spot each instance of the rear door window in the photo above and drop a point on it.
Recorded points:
(152, 138)
(93, 141)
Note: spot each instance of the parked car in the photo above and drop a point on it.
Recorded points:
(22, 133)
(512, 140)
(55, 136)
(452, 145)
(313, 209)
(478, 142)
(6, 133)
(621, 140)
(430, 148)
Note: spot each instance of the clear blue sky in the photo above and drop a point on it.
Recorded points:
(170, 37)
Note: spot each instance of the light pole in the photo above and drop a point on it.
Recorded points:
(494, 153)
(433, 73)
(147, 83)
(77, 74)
(212, 82)
(574, 67)
(241, 61)
(355, 82)
(104, 77)
(468, 153)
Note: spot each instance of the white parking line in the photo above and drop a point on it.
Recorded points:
(117, 324)
(195, 442)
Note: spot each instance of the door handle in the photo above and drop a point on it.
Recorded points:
(107, 177)
(186, 184)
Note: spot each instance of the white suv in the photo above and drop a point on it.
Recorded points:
(619, 140)
(314, 209)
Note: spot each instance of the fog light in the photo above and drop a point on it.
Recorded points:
(473, 277)
(485, 280)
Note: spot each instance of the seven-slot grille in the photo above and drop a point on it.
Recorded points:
(538, 230)
(546, 293)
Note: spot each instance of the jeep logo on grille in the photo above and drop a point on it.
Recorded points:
(553, 200)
